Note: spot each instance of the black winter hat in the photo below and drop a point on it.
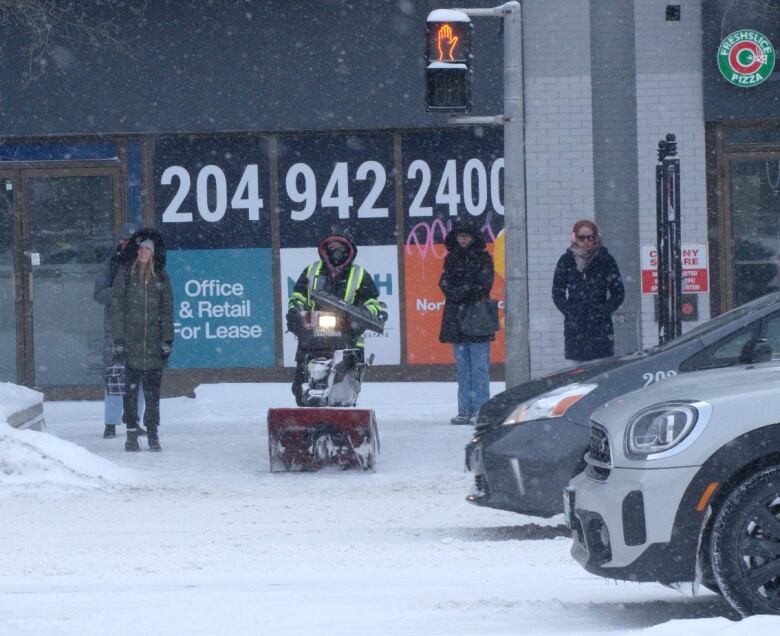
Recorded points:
(464, 226)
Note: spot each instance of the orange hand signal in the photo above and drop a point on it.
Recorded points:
(445, 38)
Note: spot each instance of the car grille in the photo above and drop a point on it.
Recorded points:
(481, 485)
(599, 455)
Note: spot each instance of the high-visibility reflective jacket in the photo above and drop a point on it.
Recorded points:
(353, 284)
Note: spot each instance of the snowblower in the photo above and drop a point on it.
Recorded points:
(327, 430)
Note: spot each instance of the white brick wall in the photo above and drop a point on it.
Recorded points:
(559, 186)
(670, 100)
(559, 144)
(559, 156)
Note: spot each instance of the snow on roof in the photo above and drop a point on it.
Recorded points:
(33, 460)
(448, 15)
(15, 398)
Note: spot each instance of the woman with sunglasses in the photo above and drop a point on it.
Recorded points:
(587, 290)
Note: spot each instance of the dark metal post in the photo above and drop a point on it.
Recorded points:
(668, 240)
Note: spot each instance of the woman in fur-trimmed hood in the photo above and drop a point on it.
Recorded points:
(130, 252)
(587, 289)
(466, 278)
(142, 303)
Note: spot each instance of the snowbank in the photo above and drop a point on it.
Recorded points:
(39, 461)
(15, 398)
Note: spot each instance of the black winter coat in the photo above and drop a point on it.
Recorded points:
(467, 277)
(587, 301)
(102, 294)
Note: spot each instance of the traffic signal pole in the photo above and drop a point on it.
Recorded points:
(518, 357)
(517, 352)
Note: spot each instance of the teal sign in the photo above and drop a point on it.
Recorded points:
(223, 313)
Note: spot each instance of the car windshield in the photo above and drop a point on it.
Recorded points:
(716, 323)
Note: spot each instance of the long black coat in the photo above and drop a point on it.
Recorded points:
(102, 294)
(467, 277)
(587, 301)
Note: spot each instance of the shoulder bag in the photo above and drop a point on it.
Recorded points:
(478, 319)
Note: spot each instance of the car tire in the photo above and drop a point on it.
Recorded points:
(745, 545)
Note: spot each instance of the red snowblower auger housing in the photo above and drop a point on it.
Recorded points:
(301, 439)
(327, 430)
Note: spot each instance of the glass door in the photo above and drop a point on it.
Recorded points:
(9, 303)
(751, 251)
(68, 232)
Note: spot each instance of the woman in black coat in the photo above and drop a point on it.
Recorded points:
(467, 277)
(587, 290)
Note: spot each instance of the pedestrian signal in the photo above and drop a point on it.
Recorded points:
(448, 61)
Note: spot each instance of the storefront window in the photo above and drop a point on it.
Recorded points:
(757, 135)
(755, 227)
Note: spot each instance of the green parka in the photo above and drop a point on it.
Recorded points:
(143, 316)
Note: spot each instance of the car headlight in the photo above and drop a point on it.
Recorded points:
(659, 428)
(554, 403)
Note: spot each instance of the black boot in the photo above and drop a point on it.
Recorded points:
(154, 440)
(131, 445)
(110, 431)
(141, 430)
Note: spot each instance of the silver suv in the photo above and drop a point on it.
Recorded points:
(683, 485)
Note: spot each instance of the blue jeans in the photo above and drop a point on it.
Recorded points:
(471, 361)
(112, 408)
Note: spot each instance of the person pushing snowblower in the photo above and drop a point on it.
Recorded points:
(333, 303)
(348, 296)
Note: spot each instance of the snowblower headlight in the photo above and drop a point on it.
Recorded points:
(554, 403)
(326, 321)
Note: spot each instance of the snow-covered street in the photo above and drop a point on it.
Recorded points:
(203, 539)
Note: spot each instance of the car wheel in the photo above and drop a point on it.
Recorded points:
(745, 545)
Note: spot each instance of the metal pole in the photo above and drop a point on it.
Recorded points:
(517, 365)
(668, 240)
(676, 252)
(660, 215)
(517, 353)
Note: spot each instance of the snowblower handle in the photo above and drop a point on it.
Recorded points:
(358, 315)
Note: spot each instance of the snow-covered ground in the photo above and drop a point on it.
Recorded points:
(202, 539)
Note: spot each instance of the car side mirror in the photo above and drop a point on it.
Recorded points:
(756, 350)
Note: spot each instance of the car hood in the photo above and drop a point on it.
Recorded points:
(495, 410)
(580, 373)
(716, 386)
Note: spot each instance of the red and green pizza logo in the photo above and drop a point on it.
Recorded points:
(746, 58)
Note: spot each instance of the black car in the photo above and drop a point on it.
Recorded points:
(530, 440)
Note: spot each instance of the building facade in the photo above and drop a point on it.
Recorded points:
(246, 131)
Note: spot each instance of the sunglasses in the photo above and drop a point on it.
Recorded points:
(586, 237)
